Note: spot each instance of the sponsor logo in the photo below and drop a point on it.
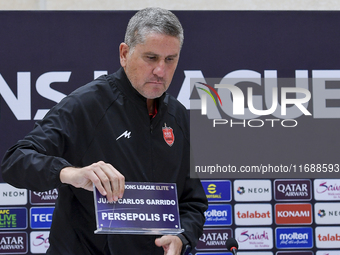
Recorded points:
(13, 243)
(126, 134)
(217, 191)
(328, 252)
(214, 239)
(293, 213)
(41, 217)
(10, 195)
(327, 237)
(168, 135)
(255, 253)
(290, 190)
(254, 238)
(249, 190)
(327, 213)
(253, 214)
(46, 197)
(212, 253)
(218, 215)
(327, 189)
(39, 241)
(294, 238)
(13, 218)
(294, 253)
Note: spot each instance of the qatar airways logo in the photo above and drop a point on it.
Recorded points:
(246, 95)
(327, 189)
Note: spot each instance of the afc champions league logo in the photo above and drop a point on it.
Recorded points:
(168, 135)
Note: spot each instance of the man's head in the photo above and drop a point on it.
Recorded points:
(151, 50)
(154, 20)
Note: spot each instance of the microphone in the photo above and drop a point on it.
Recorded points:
(232, 245)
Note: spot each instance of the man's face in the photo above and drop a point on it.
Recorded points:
(151, 65)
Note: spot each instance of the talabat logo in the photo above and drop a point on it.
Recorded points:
(253, 214)
(237, 89)
(294, 238)
(293, 190)
(13, 218)
(254, 238)
(217, 190)
(293, 213)
(13, 243)
(250, 190)
(327, 213)
(327, 237)
(327, 189)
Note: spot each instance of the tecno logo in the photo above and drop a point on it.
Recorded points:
(41, 217)
(253, 214)
(293, 213)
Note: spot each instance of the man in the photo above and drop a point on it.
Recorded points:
(111, 131)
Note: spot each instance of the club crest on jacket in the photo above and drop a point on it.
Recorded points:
(168, 135)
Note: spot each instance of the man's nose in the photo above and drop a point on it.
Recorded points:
(159, 69)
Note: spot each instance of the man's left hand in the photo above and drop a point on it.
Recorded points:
(172, 245)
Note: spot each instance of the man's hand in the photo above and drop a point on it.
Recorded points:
(172, 245)
(106, 178)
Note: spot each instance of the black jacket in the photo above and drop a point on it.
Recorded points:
(82, 129)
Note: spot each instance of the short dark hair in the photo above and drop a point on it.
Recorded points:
(152, 20)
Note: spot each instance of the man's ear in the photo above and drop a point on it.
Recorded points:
(123, 52)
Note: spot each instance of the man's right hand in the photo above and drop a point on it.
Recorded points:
(108, 180)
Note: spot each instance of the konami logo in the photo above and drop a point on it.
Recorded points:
(253, 214)
(327, 237)
(293, 213)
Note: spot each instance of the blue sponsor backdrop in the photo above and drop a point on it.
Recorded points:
(217, 190)
(41, 217)
(294, 238)
(13, 218)
(74, 47)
